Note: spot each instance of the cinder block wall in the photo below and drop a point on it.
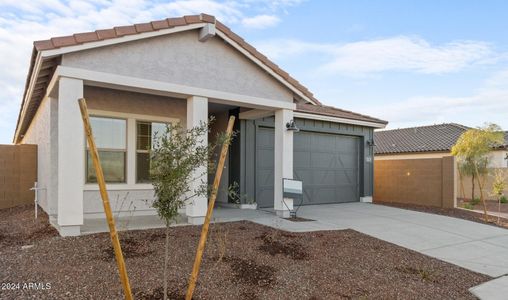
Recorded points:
(18, 172)
(429, 182)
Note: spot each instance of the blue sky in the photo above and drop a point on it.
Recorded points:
(409, 62)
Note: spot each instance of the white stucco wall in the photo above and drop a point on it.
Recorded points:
(42, 132)
(182, 59)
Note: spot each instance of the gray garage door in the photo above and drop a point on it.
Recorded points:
(328, 165)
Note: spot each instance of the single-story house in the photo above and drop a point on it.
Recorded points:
(425, 145)
(428, 142)
(137, 78)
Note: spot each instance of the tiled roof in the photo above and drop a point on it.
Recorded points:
(48, 65)
(116, 32)
(336, 112)
(433, 138)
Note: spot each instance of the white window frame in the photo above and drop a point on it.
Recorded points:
(142, 151)
(99, 149)
(131, 148)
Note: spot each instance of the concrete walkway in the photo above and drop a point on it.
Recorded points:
(474, 246)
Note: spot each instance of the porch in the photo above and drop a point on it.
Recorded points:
(127, 107)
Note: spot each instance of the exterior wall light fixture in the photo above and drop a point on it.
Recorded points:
(291, 126)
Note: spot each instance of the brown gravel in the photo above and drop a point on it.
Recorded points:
(451, 212)
(18, 226)
(257, 262)
(492, 205)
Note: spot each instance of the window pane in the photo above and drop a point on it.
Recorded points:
(143, 167)
(109, 133)
(113, 166)
(143, 136)
(158, 130)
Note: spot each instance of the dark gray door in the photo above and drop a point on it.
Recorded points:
(328, 165)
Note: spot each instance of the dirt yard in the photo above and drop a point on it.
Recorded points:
(452, 212)
(242, 261)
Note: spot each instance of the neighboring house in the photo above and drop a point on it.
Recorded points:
(418, 152)
(428, 142)
(137, 78)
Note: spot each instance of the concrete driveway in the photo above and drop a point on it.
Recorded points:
(474, 246)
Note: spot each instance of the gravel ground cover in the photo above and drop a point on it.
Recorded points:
(243, 260)
(492, 205)
(451, 212)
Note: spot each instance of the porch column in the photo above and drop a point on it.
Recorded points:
(197, 112)
(283, 160)
(71, 157)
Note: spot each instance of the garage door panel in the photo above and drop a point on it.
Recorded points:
(324, 177)
(301, 159)
(326, 163)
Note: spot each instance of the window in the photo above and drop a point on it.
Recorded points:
(145, 136)
(110, 138)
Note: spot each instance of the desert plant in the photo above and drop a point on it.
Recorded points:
(475, 201)
(503, 199)
(473, 146)
(498, 187)
(468, 206)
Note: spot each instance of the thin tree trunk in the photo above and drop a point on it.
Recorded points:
(480, 185)
(498, 208)
(166, 258)
(472, 187)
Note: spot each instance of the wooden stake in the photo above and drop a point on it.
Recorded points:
(105, 200)
(204, 231)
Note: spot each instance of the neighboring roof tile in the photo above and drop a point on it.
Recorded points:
(431, 138)
(336, 112)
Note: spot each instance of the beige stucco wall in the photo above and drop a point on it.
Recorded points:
(135, 103)
(464, 186)
(182, 59)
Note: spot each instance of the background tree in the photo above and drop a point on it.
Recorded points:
(474, 147)
(466, 168)
(498, 187)
(178, 159)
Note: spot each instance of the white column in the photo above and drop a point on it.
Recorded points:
(283, 160)
(197, 112)
(131, 151)
(71, 157)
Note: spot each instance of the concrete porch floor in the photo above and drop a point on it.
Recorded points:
(477, 247)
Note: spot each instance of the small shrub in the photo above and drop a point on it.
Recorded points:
(503, 199)
(475, 201)
(468, 206)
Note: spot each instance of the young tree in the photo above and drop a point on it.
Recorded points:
(498, 187)
(474, 147)
(178, 159)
